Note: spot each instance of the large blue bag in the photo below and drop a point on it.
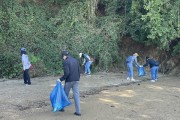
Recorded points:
(58, 97)
(141, 71)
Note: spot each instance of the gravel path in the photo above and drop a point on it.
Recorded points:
(103, 96)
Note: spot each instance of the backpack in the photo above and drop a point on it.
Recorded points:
(156, 63)
(128, 59)
(86, 57)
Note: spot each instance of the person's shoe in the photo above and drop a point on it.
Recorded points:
(77, 114)
(89, 74)
(152, 80)
(133, 79)
(128, 78)
(62, 110)
(27, 84)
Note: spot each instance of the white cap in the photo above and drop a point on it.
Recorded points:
(80, 55)
(135, 54)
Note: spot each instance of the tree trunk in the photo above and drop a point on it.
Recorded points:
(92, 6)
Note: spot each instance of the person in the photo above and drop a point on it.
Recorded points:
(86, 62)
(154, 66)
(26, 65)
(71, 77)
(130, 61)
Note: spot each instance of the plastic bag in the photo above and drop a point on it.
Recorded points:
(141, 71)
(58, 97)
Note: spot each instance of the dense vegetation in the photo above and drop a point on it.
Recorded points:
(96, 27)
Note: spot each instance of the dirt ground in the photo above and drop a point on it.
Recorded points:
(104, 96)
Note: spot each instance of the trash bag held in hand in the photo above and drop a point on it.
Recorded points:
(58, 97)
(141, 71)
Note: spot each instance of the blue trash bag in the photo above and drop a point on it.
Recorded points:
(141, 71)
(58, 98)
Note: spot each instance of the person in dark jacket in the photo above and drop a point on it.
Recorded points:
(154, 66)
(71, 77)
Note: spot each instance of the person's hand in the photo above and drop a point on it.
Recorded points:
(58, 80)
(31, 67)
(140, 66)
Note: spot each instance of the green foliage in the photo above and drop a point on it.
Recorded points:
(176, 49)
(134, 24)
(161, 21)
(154, 22)
(27, 26)
(10, 65)
(91, 26)
(97, 37)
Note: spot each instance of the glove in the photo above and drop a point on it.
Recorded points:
(58, 80)
(31, 67)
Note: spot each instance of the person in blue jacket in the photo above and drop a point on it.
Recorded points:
(154, 66)
(26, 65)
(86, 62)
(130, 61)
(71, 77)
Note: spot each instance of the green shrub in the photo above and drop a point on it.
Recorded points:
(10, 65)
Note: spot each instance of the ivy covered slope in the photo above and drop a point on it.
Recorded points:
(96, 27)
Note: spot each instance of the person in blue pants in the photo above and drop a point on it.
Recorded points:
(130, 61)
(86, 62)
(154, 66)
(71, 77)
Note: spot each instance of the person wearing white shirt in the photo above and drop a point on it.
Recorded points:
(26, 65)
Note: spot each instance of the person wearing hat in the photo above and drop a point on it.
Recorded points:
(130, 61)
(71, 77)
(26, 65)
(154, 66)
(86, 62)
